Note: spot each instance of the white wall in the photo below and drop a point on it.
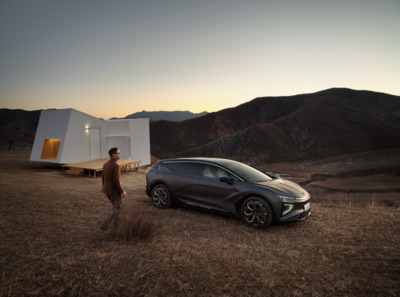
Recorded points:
(77, 141)
(140, 140)
(137, 132)
(123, 143)
(118, 128)
(52, 125)
(95, 143)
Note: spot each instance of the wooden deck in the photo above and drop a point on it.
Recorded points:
(95, 167)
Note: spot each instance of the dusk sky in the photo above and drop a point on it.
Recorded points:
(111, 58)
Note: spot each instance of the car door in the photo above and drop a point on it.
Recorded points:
(214, 193)
(183, 182)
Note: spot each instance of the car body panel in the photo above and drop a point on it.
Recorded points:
(285, 187)
(183, 186)
(215, 193)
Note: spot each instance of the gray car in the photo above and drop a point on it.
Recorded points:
(228, 187)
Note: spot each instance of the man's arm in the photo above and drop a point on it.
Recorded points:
(116, 178)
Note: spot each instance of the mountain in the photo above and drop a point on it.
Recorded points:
(18, 128)
(174, 116)
(268, 129)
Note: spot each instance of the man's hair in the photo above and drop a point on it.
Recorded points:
(112, 151)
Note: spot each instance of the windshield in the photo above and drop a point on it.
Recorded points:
(246, 172)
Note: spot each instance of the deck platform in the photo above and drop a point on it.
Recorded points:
(95, 167)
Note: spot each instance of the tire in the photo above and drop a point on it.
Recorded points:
(161, 196)
(256, 212)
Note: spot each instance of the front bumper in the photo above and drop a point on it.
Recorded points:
(299, 212)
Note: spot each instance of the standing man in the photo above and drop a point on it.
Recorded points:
(111, 186)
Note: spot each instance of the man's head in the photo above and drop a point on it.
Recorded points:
(114, 153)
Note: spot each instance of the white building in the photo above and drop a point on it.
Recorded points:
(66, 136)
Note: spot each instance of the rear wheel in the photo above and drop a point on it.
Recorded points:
(161, 196)
(256, 212)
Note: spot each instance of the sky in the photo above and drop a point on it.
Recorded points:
(112, 58)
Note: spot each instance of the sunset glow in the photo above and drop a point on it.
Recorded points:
(113, 58)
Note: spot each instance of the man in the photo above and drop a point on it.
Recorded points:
(111, 186)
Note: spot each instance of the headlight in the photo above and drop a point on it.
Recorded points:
(287, 208)
(287, 198)
(291, 199)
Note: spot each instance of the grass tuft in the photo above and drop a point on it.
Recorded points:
(134, 226)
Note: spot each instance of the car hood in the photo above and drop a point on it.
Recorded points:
(284, 187)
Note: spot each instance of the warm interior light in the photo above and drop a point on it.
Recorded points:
(50, 149)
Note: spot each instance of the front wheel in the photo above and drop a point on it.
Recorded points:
(161, 196)
(256, 212)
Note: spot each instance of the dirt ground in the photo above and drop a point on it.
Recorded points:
(357, 174)
(363, 178)
(51, 243)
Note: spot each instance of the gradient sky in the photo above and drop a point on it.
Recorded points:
(111, 58)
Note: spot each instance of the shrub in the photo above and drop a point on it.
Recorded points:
(134, 226)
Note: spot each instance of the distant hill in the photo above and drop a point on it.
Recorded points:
(268, 129)
(18, 128)
(174, 116)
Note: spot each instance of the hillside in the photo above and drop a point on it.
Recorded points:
(266, 129)
(18, 128)
(326, 123)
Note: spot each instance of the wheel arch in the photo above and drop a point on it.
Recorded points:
(161, 183)
(240, 202)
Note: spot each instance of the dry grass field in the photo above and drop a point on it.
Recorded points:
(51, 242)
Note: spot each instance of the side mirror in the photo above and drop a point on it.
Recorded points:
(273, 174)
(226, 179)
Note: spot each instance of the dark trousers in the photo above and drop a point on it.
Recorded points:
(116, 201)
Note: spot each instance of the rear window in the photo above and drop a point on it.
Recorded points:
(184, 167)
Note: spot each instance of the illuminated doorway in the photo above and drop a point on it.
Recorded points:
(50, 149)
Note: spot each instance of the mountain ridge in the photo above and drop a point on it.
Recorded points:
(266, 129)
(174, 116)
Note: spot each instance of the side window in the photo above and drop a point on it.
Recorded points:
(190, 168)
(185, 167)
(215, 172)
(208, 171)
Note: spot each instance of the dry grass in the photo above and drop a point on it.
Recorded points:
(367, 200)
(51, 245)
(134, 226)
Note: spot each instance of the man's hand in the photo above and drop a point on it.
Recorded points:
(123, 194)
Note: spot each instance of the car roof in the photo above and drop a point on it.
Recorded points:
(219, 161)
